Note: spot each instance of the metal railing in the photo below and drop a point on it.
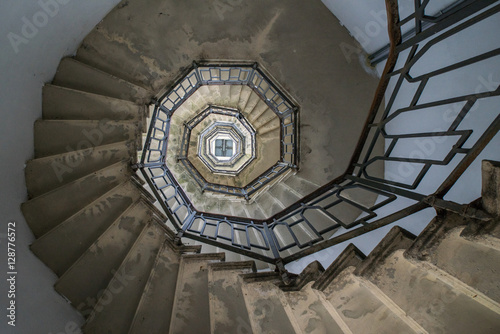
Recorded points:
(308, 225)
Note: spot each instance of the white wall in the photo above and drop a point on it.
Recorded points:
(29, 59)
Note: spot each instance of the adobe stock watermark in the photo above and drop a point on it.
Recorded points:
(94, 305)
(94, 138)
(31, 25)
(427, 146)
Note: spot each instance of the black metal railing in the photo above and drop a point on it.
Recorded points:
(422, 159)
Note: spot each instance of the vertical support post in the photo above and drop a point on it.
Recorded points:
(189, 220)
(280, 266)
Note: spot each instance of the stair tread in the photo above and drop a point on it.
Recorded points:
(358, 306)
(115, 310)
(435, 303)
(228, 311)
(70, 104)
(191, 304)
(473, 262)
(92, 272)
(77, 233)
(44, 212)
(313, 313)
(45, 174)
(269, 308)
(152, 315)
(79, 76)
(53, 137)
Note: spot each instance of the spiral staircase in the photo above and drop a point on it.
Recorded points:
(124, 267)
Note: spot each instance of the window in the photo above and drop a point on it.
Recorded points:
(223, 148)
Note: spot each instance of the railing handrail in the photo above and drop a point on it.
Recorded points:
(356, 175)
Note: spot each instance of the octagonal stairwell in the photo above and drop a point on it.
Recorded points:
(99, 228)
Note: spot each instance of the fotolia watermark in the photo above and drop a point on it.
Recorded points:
(31, 25)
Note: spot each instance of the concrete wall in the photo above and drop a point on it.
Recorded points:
(35, 35)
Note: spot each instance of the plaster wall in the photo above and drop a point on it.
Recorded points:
(34, 36)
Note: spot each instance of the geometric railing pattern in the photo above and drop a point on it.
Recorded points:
(421, 162)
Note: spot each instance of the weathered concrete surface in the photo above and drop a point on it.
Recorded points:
(76, 75)
(48, 173)
(191, 310)
(228, 313)
(61, 136)
(361, 309)
(155, 307)
(149, 42)
(65, 103)
(491, 187)
(313, 313)
(115, 310)
(77, 233)
(268, 309)
(44, 212)
(95, 268)
(435, 301)
(471, 261)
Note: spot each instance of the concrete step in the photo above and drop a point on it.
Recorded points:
(193, 106)
(351, 256)
(314, 313)
(65, 103)
(154, 309)
(301, 185)
(87, 278)
(269, 204)
(438, 302)
(225, 93)
(258, 111)
(473, 262)
(270, 128)
(235, 93)
(284, 193)
(116, 308)
(79, 76)
(490, 187)
(45, 212)
(397, 239)
(267, 305)
(245, 94)
(228, 313)
(363, 309)
(191, 311)
(77, 233)
(54, 137)
(48, 173)
(252, 101)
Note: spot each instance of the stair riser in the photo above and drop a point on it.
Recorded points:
(43, 175)
(75, 75)
(57, 137)
(434, 303)
(47, 211)
(152, 315)
(116, 315)
(89, 276)
(88, 224)
(69, 104)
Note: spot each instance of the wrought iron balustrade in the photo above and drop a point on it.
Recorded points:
(412, 90)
